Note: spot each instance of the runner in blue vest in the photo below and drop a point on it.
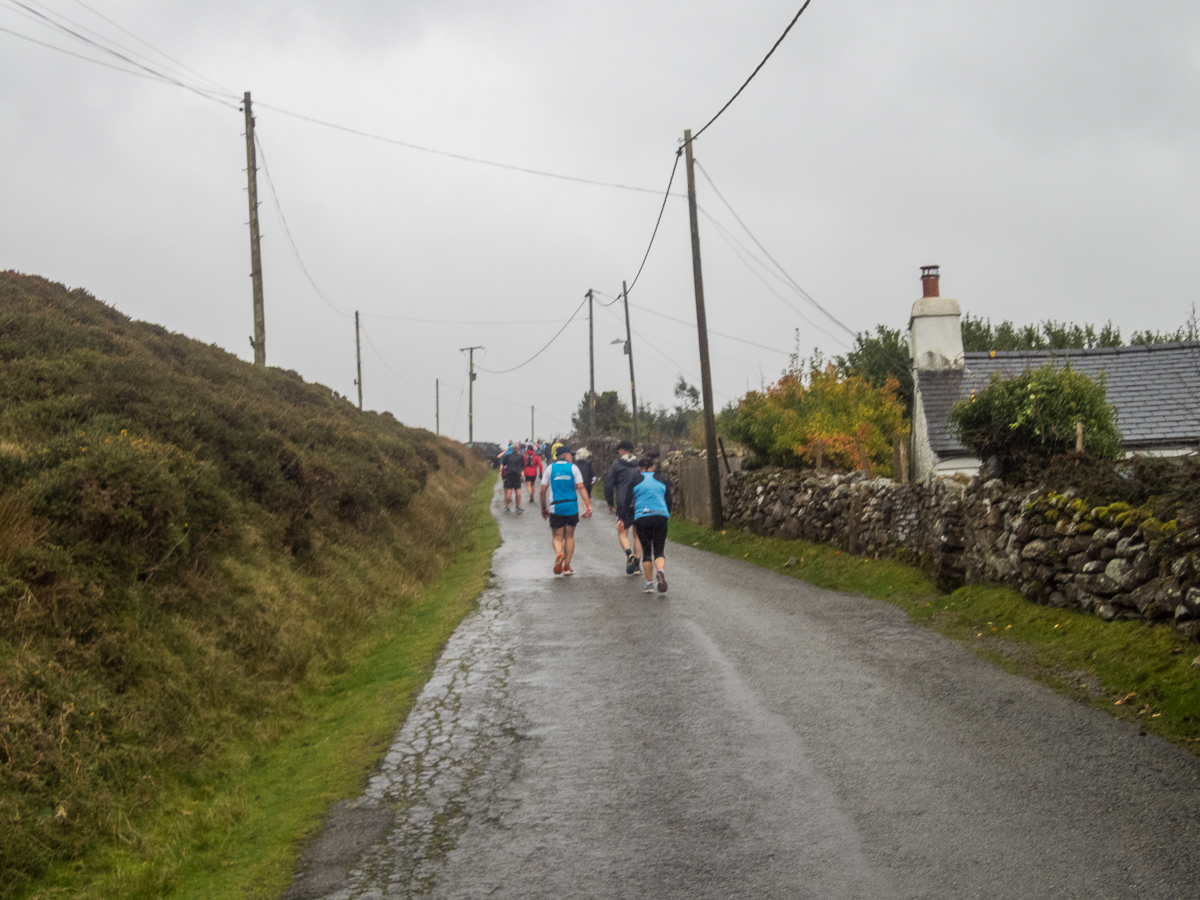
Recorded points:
(651, 512)
(563, 482)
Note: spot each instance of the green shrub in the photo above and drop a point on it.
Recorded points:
(1028, 420)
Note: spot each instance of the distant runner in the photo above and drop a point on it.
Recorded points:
(563, 482)
(652, 511)
(620, 502)
(511, 467)
(533, 468)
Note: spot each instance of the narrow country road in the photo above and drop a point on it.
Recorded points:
(744, 735)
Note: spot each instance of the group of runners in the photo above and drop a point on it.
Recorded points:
(639, 499)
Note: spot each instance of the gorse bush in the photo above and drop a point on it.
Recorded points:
(851, 420)
(168, 514)
(1027, 420)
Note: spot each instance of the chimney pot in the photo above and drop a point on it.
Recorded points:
(929, 280)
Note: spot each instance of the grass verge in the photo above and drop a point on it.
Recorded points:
(1138, 672)
(234, 831)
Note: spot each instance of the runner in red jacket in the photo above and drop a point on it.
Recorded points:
(533, 469)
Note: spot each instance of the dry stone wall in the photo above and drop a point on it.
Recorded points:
(1112, 561)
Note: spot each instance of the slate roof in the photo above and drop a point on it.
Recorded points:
(1155, 389)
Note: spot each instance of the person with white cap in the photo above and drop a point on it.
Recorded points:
(562, 494)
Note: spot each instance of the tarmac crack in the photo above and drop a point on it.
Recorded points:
(448, 765)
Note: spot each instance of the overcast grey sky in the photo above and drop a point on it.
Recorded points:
(1043, 152)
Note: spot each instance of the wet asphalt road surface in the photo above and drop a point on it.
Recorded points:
(743, 735)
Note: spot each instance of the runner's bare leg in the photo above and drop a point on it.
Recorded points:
(568, 544)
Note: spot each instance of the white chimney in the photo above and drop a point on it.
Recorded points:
(935, 327)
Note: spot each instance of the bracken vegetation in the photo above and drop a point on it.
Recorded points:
(175, 531)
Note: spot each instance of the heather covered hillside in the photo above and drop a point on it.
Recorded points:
(186, 542)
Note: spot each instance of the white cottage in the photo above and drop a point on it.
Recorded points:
(1155, 388)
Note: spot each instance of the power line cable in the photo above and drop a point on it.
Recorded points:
(755, 72)
(803, 293)
(710, 331)
(288, 231)
(62, 17)
(208, 95)
(391, 318)
(457, 409)
(398, 376)
(657, 222)
(729, 239)
(539, 353)
(161, 53)
(90, 59)
(450, 154)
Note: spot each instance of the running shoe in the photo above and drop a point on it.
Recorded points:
(506, 509)
(649, 588)
(558, 564)
(662, 581)
(567, 570)
(631, 564)
(520, 509)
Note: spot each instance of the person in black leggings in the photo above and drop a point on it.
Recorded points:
(651, 513)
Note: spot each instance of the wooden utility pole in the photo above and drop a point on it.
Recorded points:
(591, 369)
(629, 350)
(470, 393)
(437, 406)
(358, 354)
(260, 327)
(710, 422)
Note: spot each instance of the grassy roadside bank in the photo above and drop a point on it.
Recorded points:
(1137, 672)
(234, 828)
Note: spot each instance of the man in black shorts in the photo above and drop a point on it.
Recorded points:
(563, 483)
(619, 495)
(512, 466)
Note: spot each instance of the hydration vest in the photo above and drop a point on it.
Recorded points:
(564, 501)
(649, 497)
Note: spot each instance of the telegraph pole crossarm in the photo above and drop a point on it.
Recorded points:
(710, 424)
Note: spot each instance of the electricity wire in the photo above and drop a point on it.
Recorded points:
(540, 352)
(62, 17)
(398, 376)
(90, 59)
(208, 95)
(657, 222)
(161, 53)
(755, 72)
(729, 239)
(392, 318)
(447, 153)
(458, 408)
(710, 331)
(803, 293)
(288, 232)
